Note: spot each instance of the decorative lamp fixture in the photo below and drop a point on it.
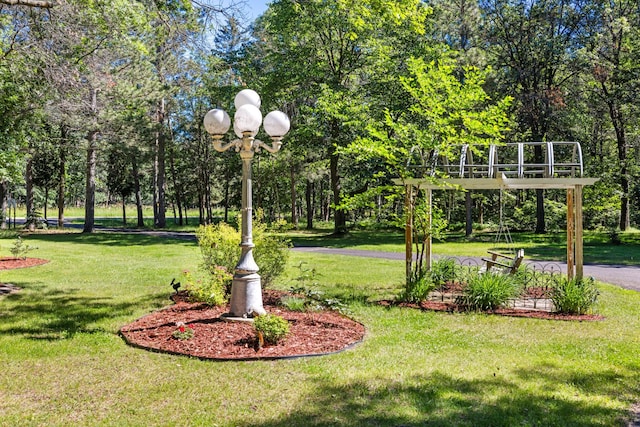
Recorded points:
(246, 290)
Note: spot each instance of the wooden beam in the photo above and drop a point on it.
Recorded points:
(571, 231)
(579, 234)
(430, 225)
(408, 230)
(497, 183)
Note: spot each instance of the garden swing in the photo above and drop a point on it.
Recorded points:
(507, 264)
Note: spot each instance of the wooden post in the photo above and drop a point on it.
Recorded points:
(579, 235)
(429, 240)
(571, 229)
(408, 229)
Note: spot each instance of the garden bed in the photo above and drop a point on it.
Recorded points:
(10, 263)
(311, 333)
(535, 303)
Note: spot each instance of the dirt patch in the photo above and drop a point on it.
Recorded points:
(10, 263)
(311, 333)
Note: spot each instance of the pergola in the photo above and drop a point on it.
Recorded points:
(508, 167)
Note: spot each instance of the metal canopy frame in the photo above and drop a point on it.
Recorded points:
(573, 186)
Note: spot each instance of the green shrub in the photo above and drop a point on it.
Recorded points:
(294, 303)
(271, 327)
(271, 253)
(417, 290)
(574, 296)
(488, 291)
(443, 271)
(20, 249)
(219, 246)
(211, 288)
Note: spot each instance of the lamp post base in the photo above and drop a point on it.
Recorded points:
(246, 296)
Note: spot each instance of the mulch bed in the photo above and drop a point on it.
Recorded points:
(453, 289)
(452, 307)
(10, 263)
(311, 333)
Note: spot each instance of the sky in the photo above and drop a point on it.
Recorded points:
(257, 7)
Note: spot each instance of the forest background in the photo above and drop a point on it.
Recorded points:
(101, 102)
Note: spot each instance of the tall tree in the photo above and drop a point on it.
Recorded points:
(443, 112)
(615, 67)
(535, 43)
(324, 49)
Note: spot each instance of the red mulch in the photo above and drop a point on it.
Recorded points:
(456, 288)
(9, 263)
(452, 307)
(310, 333)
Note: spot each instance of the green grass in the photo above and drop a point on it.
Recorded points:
(544, 247)
(64, 364)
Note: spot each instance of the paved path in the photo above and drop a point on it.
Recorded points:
(625, 276)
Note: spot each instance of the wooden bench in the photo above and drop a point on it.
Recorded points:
(509, 264)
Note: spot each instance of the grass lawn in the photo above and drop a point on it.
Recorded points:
(64, 363)
(545, 247)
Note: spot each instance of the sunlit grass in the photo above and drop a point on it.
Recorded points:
(64, 364)
(598, 248)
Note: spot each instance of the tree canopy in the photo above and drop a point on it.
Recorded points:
(102, 102)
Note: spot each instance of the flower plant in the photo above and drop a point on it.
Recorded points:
(184, 332)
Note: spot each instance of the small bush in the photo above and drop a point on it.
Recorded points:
(443, 271)
(294, 303)
(211, 288)
(219, 246)
(488, 291)
(574, 296)
(417, 290)
(20, 249)
(272, 328)
(313, 300)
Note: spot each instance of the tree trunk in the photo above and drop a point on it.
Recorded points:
(124, 210)
(294, 197)
(90, 174)
(469, 211)
(177, 188)
(308, 196)
(159, 219)
(28, 178)
(46, 202)
(3, 205)
(339, 217)
(137, 190)
(62, 172)
(90, 186)
(621, 140)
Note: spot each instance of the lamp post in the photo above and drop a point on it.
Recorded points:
(246, 291)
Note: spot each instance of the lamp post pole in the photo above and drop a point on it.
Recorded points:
(246, 289)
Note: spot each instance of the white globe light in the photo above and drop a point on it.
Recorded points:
(247, 118)
(239, 133)
(247, 96)
(276, 123)
(217, 122)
